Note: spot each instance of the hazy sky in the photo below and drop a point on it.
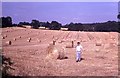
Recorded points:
(59, 0)
(63, 12)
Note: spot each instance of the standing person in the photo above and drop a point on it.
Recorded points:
(78, 52)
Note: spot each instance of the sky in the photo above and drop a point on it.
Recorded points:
(63, 12)
(59, 0)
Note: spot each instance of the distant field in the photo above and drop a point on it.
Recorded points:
(100, 55)
(27, 26)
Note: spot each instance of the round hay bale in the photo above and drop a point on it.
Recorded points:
(9, 42)
(97, 50)
(51, 52)
(61, 54)
(3, 37)
(55, 52)
(72, 44)
(38, 40)
(14, 39)
(98, 44)
(54, 42)
(29, 39)
(69, 44)
(19, 36)
(59, 41)
(50, 48)
(7, 31)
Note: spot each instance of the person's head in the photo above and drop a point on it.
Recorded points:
(78, 43)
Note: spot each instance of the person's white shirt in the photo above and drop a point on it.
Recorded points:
(79, 48)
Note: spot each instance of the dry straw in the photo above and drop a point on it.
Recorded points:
(55, 51)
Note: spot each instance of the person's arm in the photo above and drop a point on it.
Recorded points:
(81, 48)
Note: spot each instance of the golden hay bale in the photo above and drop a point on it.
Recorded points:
(38, 40)
(29, 39)
(70, 44)
(55, 52)
(98, 44)
(97, 50)
(45, 34)
(19, 37)
(50, 48)
(62, 53)
(9, 42)
(59, 41)
(53, 55)
(14, 39)
(51, 52)
(3, 37)
(54, 42)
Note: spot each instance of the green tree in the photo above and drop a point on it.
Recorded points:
(55, 25)
(119, 21)
(6, 21)
(35, 24)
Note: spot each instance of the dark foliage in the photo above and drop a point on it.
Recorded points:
(14, 25)
(110, 26)
(119, 21)
(35, 24)
(100, 27)
(47, 24)
(55, 25)
(118, 16)
(24, 23)
(6, 21)
(75, 27)
(6, 65)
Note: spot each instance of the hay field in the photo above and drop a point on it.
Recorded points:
(28, 51)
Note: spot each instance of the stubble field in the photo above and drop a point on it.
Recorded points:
(99, 57)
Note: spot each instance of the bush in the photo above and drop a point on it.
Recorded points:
(6, 65)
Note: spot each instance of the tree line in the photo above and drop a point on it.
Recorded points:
(7, 22)
(54, 25)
